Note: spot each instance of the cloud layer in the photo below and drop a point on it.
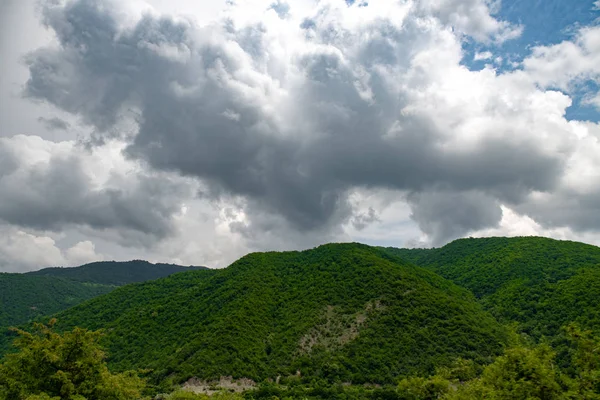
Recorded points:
(277, 116)
(51, 186)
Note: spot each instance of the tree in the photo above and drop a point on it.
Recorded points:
(445, 381)
(417, 388)
(521, 373)
(68, 366)
(585, 363)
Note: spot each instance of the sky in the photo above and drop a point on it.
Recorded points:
(195, 132)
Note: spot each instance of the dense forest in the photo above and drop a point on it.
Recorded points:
(345, 312)
(28, 297)
(72, 366)
(24, 298)
(498, 318)
(543, 284)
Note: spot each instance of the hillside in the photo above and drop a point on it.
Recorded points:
(24, 297)
(114, 272)
(344, 312)
(541, 283)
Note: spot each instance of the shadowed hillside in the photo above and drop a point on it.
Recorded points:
(24, 297)
(114, 272)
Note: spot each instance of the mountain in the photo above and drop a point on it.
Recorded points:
(541, 283)
(24, 297)
(115, 273)
(341, 312)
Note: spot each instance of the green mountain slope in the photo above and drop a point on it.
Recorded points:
(541, 283)
(23, 297)
(115, 273)
(344, 312)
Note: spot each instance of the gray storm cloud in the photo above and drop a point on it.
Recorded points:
(291, 130)
(56, 192)
(54, 123)
(443, 215)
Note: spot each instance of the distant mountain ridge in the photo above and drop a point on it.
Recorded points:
(24, 298)
(30, 296)
(116, 273)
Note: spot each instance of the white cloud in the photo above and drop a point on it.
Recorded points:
(20, 33)
(593, 100)
(294, 96)
(471, 17)
(21, 251)
(263, 130)
(514, 224)
(568, 63)
(82, 253)
(202, 11)
(486, 55)
(391, 225)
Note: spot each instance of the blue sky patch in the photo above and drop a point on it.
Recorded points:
(544, 22)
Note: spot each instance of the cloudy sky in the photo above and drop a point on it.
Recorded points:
(196, 131)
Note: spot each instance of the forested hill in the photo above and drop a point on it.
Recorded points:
(341, 312)
(352, 313)
(539, 282)
(114, 272)
(23, 297)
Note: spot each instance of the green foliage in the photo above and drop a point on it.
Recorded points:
(69, 367)
(219, 395)
(27, 297)
(184, 395)
(115, 273)
(584, 371)
(442, 383)
(343, 321)
(540, 283)
(419, 388)
(484, 265)
(24, 298)
(522, 372)
(319, 389)
(340, 313)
